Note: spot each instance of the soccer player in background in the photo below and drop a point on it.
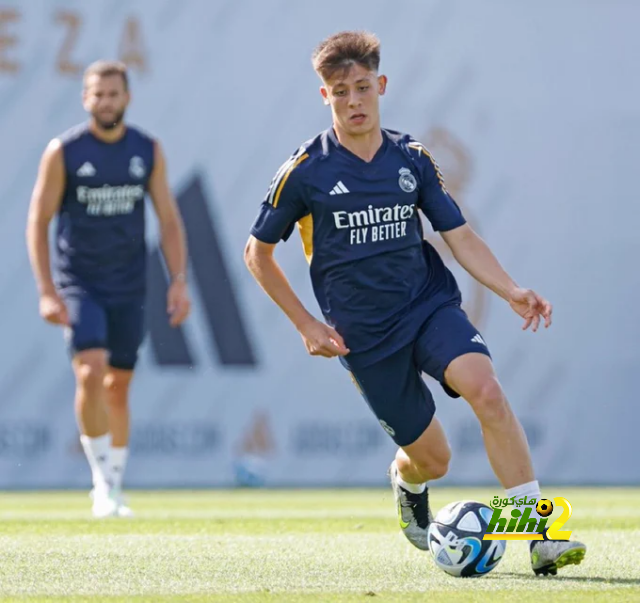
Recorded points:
(95, 177)
(392, 309)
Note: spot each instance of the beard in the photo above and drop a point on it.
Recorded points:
(110, 124)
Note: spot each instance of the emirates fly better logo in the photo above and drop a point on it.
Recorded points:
(375, 224)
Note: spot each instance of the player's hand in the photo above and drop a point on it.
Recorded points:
(532, 307)
(178, 303)
(53, 309)
(322, 340)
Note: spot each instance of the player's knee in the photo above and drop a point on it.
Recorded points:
(90, 372)
(434, 466)
(438, 469)
(117, 386)
(489, 402)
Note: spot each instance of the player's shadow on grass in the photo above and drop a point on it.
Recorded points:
(531, 576)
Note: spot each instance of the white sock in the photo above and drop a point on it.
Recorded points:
(117, 464)
(530, 490)
(97, 453)
(413, 488)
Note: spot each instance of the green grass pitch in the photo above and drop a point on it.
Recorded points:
(281, 545)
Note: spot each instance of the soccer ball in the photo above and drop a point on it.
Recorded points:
(455, 540)
(544, 507)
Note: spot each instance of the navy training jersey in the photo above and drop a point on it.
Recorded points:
(100, 237)
(374, 276)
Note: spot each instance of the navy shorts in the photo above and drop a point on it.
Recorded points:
(393, 387)
(117, 327)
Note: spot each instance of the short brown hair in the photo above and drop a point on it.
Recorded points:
(105, 69)
(342, 50)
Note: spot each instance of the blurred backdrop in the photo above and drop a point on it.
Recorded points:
(532, 110)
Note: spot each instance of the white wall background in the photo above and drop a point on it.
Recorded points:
(533, 111)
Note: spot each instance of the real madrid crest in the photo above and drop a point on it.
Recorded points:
(407, 180)
(136, 167)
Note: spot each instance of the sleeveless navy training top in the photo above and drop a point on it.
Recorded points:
(100, 237)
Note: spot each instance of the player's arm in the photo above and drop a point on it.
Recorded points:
(45, 202)
(281, 209)
(258, 257)
(319, 338)
(474, 255)
(171, 227)
(469, 250)
(172, 238)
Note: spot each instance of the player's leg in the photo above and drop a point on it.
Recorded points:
(116, 384)
(125, 332)
(86, 338)
(404, 407)
(427, 458)
(415, 465)
(472, 376)
(450, 349)
(454, 353)
(89, 367)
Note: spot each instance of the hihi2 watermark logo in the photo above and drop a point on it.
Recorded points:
(521, 526)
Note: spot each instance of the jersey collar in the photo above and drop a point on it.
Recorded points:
(331, 135)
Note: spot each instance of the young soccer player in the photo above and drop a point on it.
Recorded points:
(95, 178)
(392, 308)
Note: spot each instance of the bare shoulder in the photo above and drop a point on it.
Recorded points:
(54, 147)
(159, 159)
(158, 149)
(53, 156)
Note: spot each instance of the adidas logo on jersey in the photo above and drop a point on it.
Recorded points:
(339, 189)
(478, 339)
(86, 170)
